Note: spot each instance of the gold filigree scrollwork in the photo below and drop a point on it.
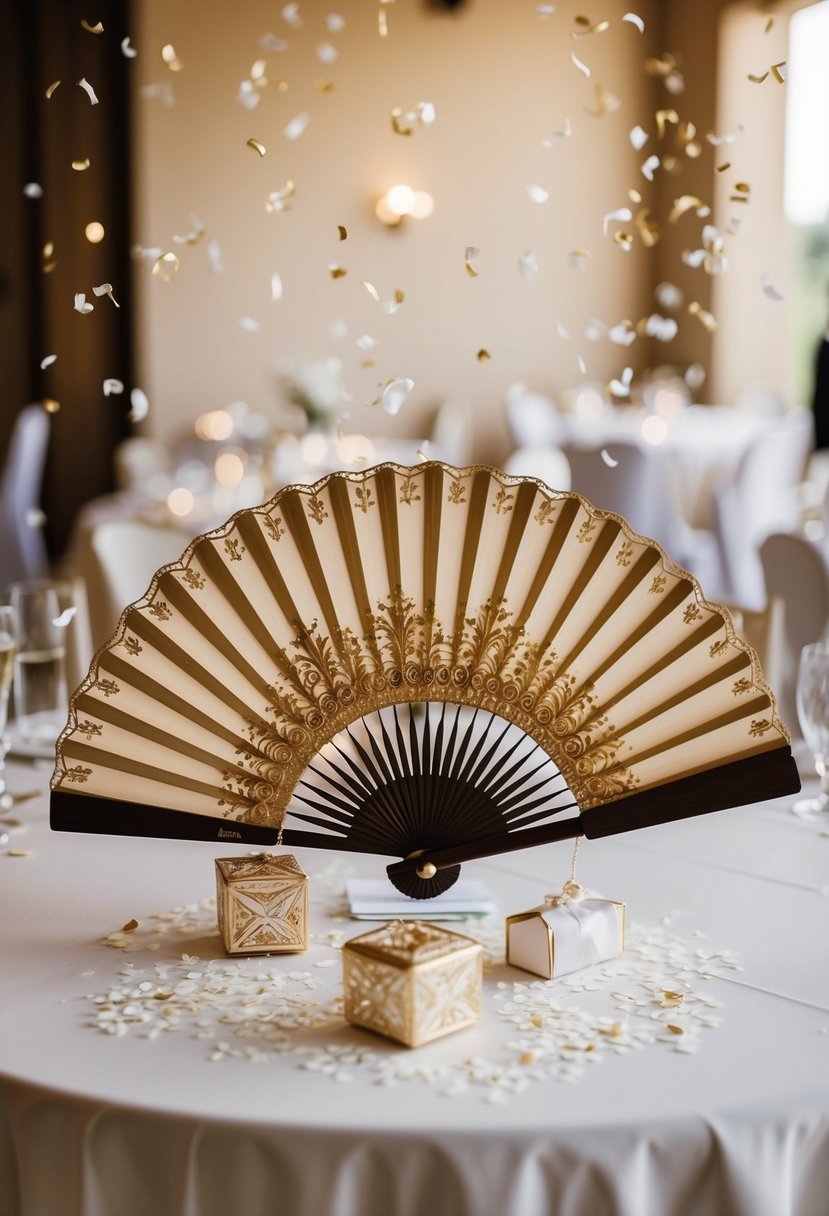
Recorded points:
(457, 493)
(363, 499)
(132, 645)
(160, 610)
(546, 512)
(502, 502)
(274, 526)
(408, 491)
(624, 554)
(658, 585)
(194, 579)
(233, 549)
(585, 532)
(692, 613)
(316, 509)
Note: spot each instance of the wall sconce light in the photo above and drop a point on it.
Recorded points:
(402, 201)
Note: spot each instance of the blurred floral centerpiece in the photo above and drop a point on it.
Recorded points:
(315, 388)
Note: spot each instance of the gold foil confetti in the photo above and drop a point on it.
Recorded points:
(47, 257)
(675, 1029)
(527, 1057)
(140, 405)
(277, 200)
(687, 202)
(743, 190)
(577, 259)
(47, 362)
(757, 79)
(80, 165)
(87, 88)
(296, 126)
(608, 459)
(725, 165)
(471, 255)
(634, 196)
(663, 117)
(388, 306)
(113, 386)
(649, 232)
(585, 28)
(769, 289)
(323, 86)
(105, 289)
(170, 57)
(483, 355)
(537, 1020)
(256, 145)
(129, 927)
(18, 852)
(624, 240)
(342, 232)
(606, 102)
(166, 267)
(81, 303)
(538, 194)
(769, 25)
(193, 236)
(50, 405)
(706, 319)
(395, 394)
(337, 272)
(51, 89)
(636, 20)
(97, 28)
(382, 24)
(581, 66)
(129, 52)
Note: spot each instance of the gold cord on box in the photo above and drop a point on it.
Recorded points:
(571, 889)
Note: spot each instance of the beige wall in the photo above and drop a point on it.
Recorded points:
(502, 80)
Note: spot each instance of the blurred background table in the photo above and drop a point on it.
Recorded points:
(234, 1114)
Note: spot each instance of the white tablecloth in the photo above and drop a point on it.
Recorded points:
(95, 1124)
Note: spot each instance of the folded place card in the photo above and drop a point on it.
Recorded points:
(377, 899)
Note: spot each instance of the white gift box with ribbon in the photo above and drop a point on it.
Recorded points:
(566, 932)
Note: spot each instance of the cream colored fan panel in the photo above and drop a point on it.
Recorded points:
(529, 554)
(456, 495)
(491, 543)
(722, 746)
(692, 717)
(411, 525)
(565, 573)
(364, 507)
(156, 756)
(84, 778)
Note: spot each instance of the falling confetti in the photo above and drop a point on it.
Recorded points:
(290, 15)
(81, 304)
(538, 194)
(483, 355)
(276, 287)
(650, 166)
(113, 386)
(687, 202)
(50, 405)
(342, 232)
(296, 126)
(214, 257)
(638, 137)
(335, 22)
(256, 145)
(166, 267)
(769, 290)
(129, 52)
(170, 57)
(706, 319)
(337, 272)
(47, 362)
(621, 214)
(636, 20)
(395, 394)
(388, 306)
(80, 165)
(277, 200)
(35, 518)
(621, 387)
(88, 89)
(50, 90)
(586, 28)
(577, 259)
(528, 265)
(608, 459)
(669, 296)
(470, 257)
(606, 103)
(140, 405)
(622, 334)
(249, 324)
(48, 263)
(581, 66)
(92, 29)
(664, 329)
(105, 289)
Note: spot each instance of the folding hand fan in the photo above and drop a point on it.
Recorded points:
(428, 663)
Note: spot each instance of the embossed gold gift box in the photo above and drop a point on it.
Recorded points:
(262, 904)
(569, 931)
(412, 981)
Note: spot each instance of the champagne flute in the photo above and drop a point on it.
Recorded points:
(813, 714)
(8, 649)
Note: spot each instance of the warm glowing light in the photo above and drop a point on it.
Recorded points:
(215, 424)
(95, 232)
(355, 449)
(180, 501)
(654, 429)
(402, 200)
(314, 448)
(229, 469)
(589, 402)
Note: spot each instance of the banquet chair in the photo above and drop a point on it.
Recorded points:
(22, 547)
(451, 435)
(797, 571)
(637, 487)
(531, 418)
(125, 555)
(548, 464)
(762, 498)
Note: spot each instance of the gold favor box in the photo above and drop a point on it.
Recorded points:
(262, 904)
(565, 934)
(412, 981)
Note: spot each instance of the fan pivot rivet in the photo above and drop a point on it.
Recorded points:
(427, 870)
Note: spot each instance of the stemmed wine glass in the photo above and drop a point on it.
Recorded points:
(8, 649)
(813, 714)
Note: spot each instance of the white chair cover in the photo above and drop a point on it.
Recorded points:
(548, 464)
(127, 554)
(22, 547)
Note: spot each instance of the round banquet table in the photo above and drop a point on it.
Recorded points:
(225, 1113)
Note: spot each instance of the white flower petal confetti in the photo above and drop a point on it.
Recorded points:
(270, 42)
(105, 289)
(769, 290)
(581, 66)
(47, 361)
(638, 137)
(68, 614)
(621, 213)
(650, 166)
(577, 259)
(111, 385)
(166, 267)
(276, 287)
(582, 366)
(97, 28)
(470, 257)
(395, 394)
(538, 194)
(388, 306)
(296, 126)
(669, 296)
(365, 342)
(88, 89)
(608, 459)
(528, 265)
(335, 22)
(717, 141)
(140, 405)
(81, 303)
(595, 329)
(33, 190)
(161, 90)
(326, 53)
(249, 325)
(562, 331)
(290, 15)
(636, 20)
(248, 96)
(128, 51)
(214, 257)
(664, 329)
(622, 334)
